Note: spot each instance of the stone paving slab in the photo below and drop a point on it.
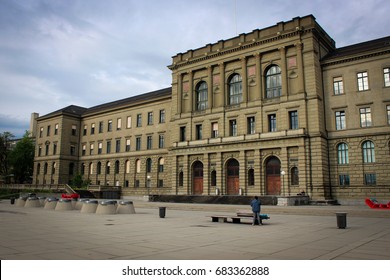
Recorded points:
(187, 233)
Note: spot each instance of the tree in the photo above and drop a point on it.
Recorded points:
(22, 159)
(5, 148)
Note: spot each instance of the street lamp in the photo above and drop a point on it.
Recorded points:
(148, 178)
(283, 173)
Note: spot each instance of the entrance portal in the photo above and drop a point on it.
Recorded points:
(233, 177)
(272, 169)
(198, 177)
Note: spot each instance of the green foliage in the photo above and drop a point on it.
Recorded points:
(5, 149)
(22, 159)
(78, 182)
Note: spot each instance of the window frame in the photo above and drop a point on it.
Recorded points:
(273, 82)
(235, 89)
(201, 96)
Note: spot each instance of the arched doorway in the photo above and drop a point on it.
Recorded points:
(233, 177)
(197, 169)
(272, 175)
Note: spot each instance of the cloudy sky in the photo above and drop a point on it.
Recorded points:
(54, 53)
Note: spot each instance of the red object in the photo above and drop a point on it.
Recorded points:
(71, 196)
(376, 205)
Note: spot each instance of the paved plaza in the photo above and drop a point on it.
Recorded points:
(295, 232)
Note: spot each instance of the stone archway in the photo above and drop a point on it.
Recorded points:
(232, 177)
(272, 175)
(197, 171)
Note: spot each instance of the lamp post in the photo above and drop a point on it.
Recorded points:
(148, 178)
(283, 173)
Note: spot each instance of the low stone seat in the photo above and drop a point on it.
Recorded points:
(32, 202)
(21, 201)
(89, 206)
(64, 205)
(106, 207)
(125, 207)
(51, 203)
(79, 203)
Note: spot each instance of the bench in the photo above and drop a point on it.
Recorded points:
(243, 213)
(236, 219)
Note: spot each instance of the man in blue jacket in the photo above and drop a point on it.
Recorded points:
(256, 207)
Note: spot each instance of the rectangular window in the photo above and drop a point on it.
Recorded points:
(214, 130)
(138, 143)
(48, 131)
(251, 126)
(344, 180)
(388, 114)
(41, 132)
(198, 132)
(365, 117)
(84, 150)
(362, 79)
(370, 179)
(91, 149)
(72, 150)
(128, 122)
(160, 183)
(233, 128)
(340, 120)
(272, 122)
(161, 141)
(74, 129)
(386, 76)
(100, 148)
(127, 145)
(162, 116)
(139, 120)
(293, 116)
(56, 129)
(92, 129)
(182, 133)
(54, 148)
(149, 142)
(109, 127)
(85, 130)
(47, 150)
(100, 127)
(108, 147)
(150, 118)
(39, 151)
(338, 86)
(119, 124)
(117, 145)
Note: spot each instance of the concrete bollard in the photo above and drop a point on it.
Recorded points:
(64, 205)
(125, 207)
(89, 206)
(21, 201)
(51, 203)
(79, 203)
(107, 207)
(32, 202)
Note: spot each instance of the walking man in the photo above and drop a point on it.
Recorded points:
(256, 207)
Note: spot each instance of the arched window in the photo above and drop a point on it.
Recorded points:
(294, 176)
(273, 82)
(108, 167)
(235, 89)
(161, 165)
(368, 152)
(137, 166)
(53, 168)
(201, 96)
(342, 153)
(117, 167)
(127, 166)
(213, 178)
(38, 168)
(91, 168)
(99, 168)
(82, 169)
(181, 178)
(149, 165)
(251, 177)
(45, 168)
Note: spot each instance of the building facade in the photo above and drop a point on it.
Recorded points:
(276, 111)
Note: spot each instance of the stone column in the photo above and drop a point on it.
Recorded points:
(258, 88)
(206, 174)
(301, 81)
(244, 80)
(190, 90)
(179, 93)
(220, 176)
(222, 82)
(243, 172)
(210, 87)
(284, 71)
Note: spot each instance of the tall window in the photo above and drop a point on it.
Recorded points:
(128, 122)
(272, 122)
(138, 143)
(273, 82)
(150, 118)
(85, 128)
(365, 117)
(99, 168)
(149, 142)
(108, 148)
(84, 150)
(117, 145)
(368, 152)
(182, 133)
(213, 178)
(56, 129)
(198, 132)
(91, 146)
(108, 167)
(338, 86)
(251, 177)
(233, 128)
(161, 165)
(293, 116)
(138, 166)
(117, 165)
(386, 76)
(251, 125)
(235, 89)
(109, 127)
(54, 148)
(149, 165)
(344, 180)
(92, 129)
(127, 166)
(362, 79)
(162, 116)
(100, 127)
(201, 96)
(48, 131)
(214, 130)
(340, 120)
(139, 120)
(388, 114)
(41, 132)
(119, 124)
(342, 153)
(100, 148)
(74, 129)
(294, 176)
(161, 141)
(47, 146)
(127, 145)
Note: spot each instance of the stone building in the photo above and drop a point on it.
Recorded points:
(276, 111)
